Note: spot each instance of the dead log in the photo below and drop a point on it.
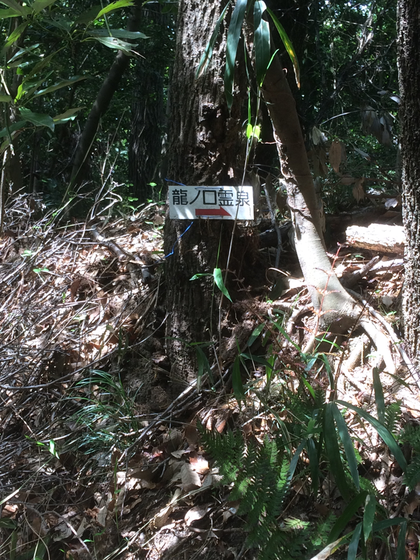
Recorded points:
(379, 238)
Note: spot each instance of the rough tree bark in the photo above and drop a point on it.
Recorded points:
(409, 79)
(206, 146)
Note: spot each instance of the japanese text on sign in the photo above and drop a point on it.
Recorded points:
(227, 203)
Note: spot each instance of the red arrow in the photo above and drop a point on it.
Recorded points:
(211, 212)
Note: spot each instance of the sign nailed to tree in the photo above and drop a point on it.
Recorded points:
(227, 203)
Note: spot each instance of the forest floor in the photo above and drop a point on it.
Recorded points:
(97, 462)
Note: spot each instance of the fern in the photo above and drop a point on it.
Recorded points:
(259, 473)
(392, 416)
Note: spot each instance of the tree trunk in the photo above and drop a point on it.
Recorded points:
(409, 78)
(336, 308)
(206, 146)
(101, 104)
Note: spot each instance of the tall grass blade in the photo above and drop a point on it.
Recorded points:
(288, 46)
(333, 453)
(354, 543)
(385, 434)
(369, 516)
(262, 44)
(347, 443)
(233, 36)
(379, 395)
(346, 516)
(208, 53)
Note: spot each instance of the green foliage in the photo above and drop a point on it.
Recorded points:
(260, 473)
(106, 412)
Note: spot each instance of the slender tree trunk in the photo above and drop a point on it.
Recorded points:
(206, 146)
(101, 104)
(409, 78)
(336, 307)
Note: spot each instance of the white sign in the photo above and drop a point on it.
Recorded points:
(217, 203)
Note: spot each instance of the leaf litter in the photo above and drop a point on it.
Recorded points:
(96, 462)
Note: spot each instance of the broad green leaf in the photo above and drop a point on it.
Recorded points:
(43, 63)
(206, 57)
(261, 41)
(40, 5)
(218, 279)
(19, 125)
(38, 119)
(14, 36)
(369, 516)
(114, 43)
(347, 444)
(233, 36)
(385, 434)
(89, 16)
(333, 453)
(19, 10)
(59, 85)
(354, 543)
(22, 51)
(381, 525)
(119, 33)
(4, 98)
(346, 516)
(5, 13)
(68, 115)
(379, 395)
(115, 6)
(238, 388)
(288, 45)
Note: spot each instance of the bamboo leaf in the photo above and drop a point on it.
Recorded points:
(255, 334)
(114, 43)
(401, 541)
(333, 453)
(261, 41)
(233, 36)
(59, 85)
(218, 279)
(313, 462)
(288, 46)
(346, 516)
(369, 515)
(119, 33)
(238, 388)
(354, 543)
(385, 434)
(347, 443)
(202, 366)
(379, 396)
(208, 53)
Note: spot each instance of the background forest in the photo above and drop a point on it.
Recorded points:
(206, 388)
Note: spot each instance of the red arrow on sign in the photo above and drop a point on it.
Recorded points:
(211, 212)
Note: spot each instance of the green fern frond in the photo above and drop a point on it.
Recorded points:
(392, 416)
(412, 474)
